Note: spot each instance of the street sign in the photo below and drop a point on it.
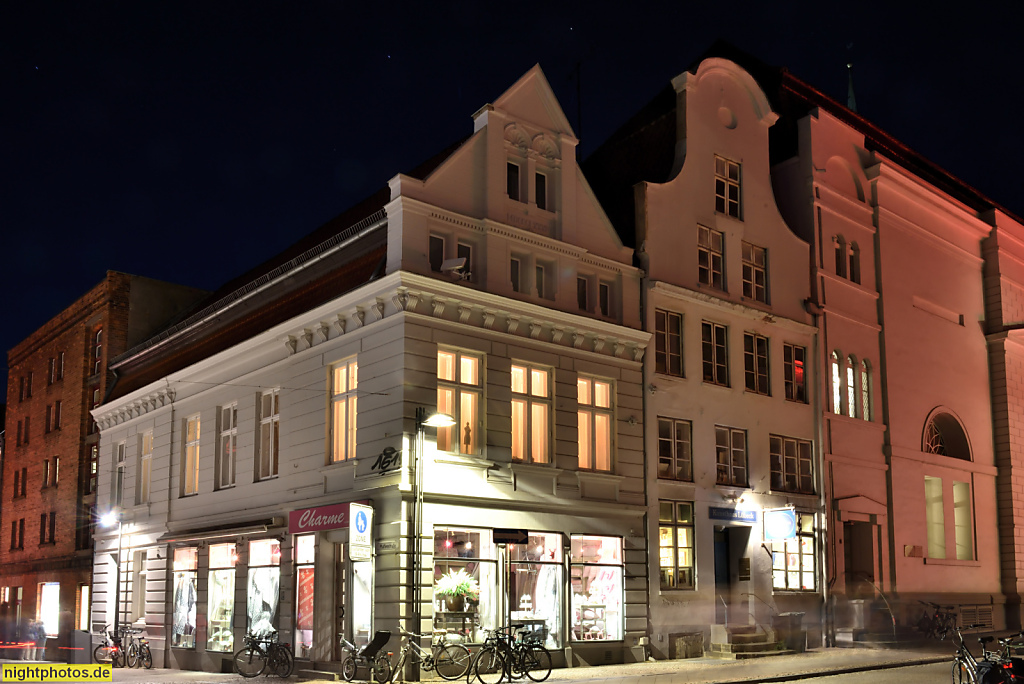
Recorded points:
(511, 536)
(732, 514)
(360, 531)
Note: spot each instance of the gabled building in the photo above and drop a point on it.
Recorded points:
(489, 286)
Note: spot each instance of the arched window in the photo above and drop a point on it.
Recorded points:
(840, 244)
(944, 436)
(837, 394)
(851, 388)
(854, 262)
(865, 390)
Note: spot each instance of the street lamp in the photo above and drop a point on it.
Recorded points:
(108, 520)
(423, 421)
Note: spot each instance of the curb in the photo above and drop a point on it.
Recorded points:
(794, 676)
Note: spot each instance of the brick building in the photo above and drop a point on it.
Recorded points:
(49, 479)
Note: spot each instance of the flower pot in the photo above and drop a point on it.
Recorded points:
(455, 603)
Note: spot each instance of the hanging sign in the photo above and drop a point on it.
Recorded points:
(732, 514)
(360, 532)
(779, 524)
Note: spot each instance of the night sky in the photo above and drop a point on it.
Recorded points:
(189, 141)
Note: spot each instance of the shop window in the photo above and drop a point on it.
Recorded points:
(597, 595)
(344, 383)
(268, 445)
(793, 559)
(535, 585)
(263, 586)
(183, 623)
(305, 559)
(675, 544)
(594, 417)
(48, 606)
(459, 390)
(220, 603)
(531, 414)
(84, 603)
(466, 558)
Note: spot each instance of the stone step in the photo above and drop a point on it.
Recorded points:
(749, 647)
(746, 638)
(319, 674)
(726, 655)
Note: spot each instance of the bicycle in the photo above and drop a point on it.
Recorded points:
(370, 655)
(261, 652)
(504, 656)
(109, 650)
(450, 660)
(938, 625)
(993, 667)
(132, 646)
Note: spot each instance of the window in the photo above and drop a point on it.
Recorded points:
(97, 350)
(837, 385)
(542, 281)
(604, 298)
(85, 525)
(460, 551)
(541, 190)
(962, 527)
(727, 187)
(145, 467)
(755, 363)
(263, 586)
(93, 469)
(596, 570)
(791, 464)
(47, 527)
(755, 273)
(93, 427)
(668, 342)
(28, 422)
(28, 385)
(531, 414)
(56, 415)
(840, 246)
(595, 423)
(48, 602)
(865, 390)
(18, 534)
(714, 353)
(305, 559)
(854, 263)
(514, 274)
(436, 254)
(183, 624)
(20, 434)
(55, 471)
(851, 388)
(465, 251)
(268, 445)
(459, 390)
(190, 464)
(512, 180)
(51, 371)
(220, 600)
(138, 588)
(793, 360)
(84, 607)
(345, 381)
(935, 517)
(20, 482)
(46, 474)
(675, 544)
(21, 389)
(731, 454)
(582, 300)
(48, 425)
(710, 257)
(60, 366)
(117, 496)
(793, 559)
(675, 457)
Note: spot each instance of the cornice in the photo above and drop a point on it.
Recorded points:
(703, 299)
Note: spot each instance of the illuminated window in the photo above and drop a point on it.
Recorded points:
(961, 526)
(190, 464)
(755, 273)
(791, 465)
(343, 425)
(184, 598)
(269, 443)
(305, 572)
(793, 367)
(595, 423)
(459, 391)
(865, 390)
(92, 469)
(536, 581)
(49, 606)
(675, 544)
(263, 586)
(668, 342)
(714, 353)
(220, 600)
(755, 363)
(675, 458)
(460, 551)
(837, 386)
(531, 414)
(851, 388)
(596, 570)
(793, 567)
(727, 187)
(731, 456)
(227, 447)
(935, 517)
(117, 498)
(962, 521)
(710, 257)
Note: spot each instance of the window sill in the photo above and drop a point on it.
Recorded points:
(953, 562)
(783, 492)
(747, 390)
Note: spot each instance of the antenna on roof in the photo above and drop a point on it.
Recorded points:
(851, 101)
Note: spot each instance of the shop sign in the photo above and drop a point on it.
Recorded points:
(511, 536)
(332, 517)
(732, 514)
(360, 531)
(779, 524)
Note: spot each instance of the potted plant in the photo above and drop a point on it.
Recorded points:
(456, 586)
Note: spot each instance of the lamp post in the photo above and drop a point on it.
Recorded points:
(423, 421)
(107, 520)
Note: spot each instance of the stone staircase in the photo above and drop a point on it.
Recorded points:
(740, 642)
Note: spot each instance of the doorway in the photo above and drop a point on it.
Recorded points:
(732, 575)
(859, 555)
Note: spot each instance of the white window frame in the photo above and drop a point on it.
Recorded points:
(727, 177)
(755, 263)
(591, 413)
(683, 575)
(792, 464)
(145, 467)
(675, 450)
(117, 497)
(227, 446)
(668, 346)
(837, 385)
(711, 249)
(344, 410)
(531, 413)
(728, 457)
(756, 378)
(268, 464)
(714, 356)
(190, 461)
(462, 390)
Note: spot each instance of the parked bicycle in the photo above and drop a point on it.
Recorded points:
(263, 652)
(504, 656)
(370, 656)
(136, 648)
(993, 667)
(939, 622)
(450, 660)
(109, 649)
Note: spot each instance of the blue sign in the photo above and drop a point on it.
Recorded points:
(732, 515)
(361, 522)
(779, 524)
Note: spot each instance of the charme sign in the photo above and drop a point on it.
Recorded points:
(320, 518)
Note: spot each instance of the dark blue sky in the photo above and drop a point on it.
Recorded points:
(189, 141)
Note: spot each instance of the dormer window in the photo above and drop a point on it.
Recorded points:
(541, 190)
(512, 181)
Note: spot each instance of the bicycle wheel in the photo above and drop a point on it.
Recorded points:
(381, 668)
(537, 663)
(101, 654)
(962, 673)
(282, 661)
(132, 655)
(348, 668)
(452, 661)
(489, 665)
(146, 657)
(250, 661)
(116, 656)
